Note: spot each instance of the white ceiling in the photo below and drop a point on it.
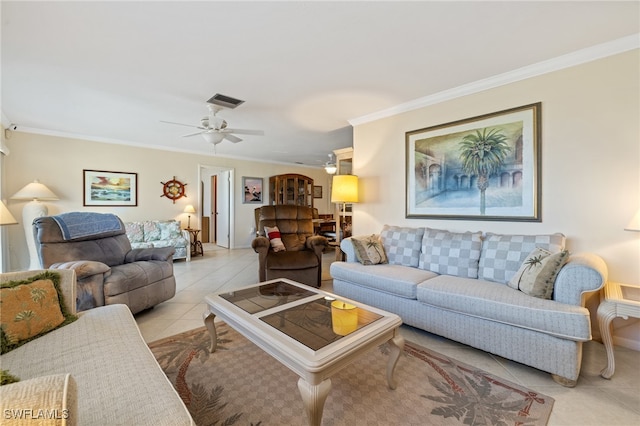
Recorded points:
(110, 71)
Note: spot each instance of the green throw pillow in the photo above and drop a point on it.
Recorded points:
(7, 378)
(369, 250)
(30, 309)
(537, 274)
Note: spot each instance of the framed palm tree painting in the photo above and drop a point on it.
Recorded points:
(480, 168)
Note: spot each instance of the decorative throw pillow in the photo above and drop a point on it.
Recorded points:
(369, 250)
(7, 378)
(451, 253)
(402, 244)
(502, 255)
(273, 233)
(537, 274)
(30, 309)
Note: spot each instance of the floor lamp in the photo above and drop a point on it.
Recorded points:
(34, 191)
(344, 189)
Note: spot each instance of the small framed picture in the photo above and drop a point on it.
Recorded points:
(117, 189)
(252, 187)
(317, 191)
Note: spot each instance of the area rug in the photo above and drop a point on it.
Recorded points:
(240, 384)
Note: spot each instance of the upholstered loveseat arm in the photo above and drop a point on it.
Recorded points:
(583, 273)
(347, 248)
(90, 277)
(317, 243)
(144, 254)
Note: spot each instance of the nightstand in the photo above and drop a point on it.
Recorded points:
(619, 301)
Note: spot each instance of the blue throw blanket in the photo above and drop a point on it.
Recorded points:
(84, 224)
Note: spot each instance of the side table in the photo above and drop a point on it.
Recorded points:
(196, 245)
(620, 300)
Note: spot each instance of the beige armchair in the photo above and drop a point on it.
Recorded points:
(302, 259)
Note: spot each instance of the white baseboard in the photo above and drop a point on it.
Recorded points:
(626, 343)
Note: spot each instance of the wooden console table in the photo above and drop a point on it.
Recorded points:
(196, 245)
(620, 300)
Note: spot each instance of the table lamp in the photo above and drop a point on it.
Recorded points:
(34, 191)
(189, 209)
(6, 218)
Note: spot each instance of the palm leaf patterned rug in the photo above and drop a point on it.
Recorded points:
(240, 384)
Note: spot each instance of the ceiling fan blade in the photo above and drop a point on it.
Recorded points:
(191, 134)
(181, 124)
(244, 132)
(232, 138)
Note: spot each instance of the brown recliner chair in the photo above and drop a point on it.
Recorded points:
(302, 259)
(108, 270)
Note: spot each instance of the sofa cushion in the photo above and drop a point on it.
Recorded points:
(53, 400)
(393, 279)
(31, 308)
(369, 250)
(103, 350)
(498, 302)
(502, 255)
(169, 229)
(402, 244)
(537, 274)
(151, 230)
(451, 253)
(285, 260)
(130, 276)
(135, 232)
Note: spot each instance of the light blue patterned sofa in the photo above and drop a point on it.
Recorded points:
(160, 233)
(456, 285)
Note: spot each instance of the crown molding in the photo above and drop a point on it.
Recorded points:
(569, 60)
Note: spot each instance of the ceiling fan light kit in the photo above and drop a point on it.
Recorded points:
(215, 129)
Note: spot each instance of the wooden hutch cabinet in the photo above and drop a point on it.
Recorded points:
(291, 189)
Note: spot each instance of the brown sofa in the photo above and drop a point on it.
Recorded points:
(302, 259)
(108, 270)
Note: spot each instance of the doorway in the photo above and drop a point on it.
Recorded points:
(216, 201)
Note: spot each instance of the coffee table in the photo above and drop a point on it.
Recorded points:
(311, 332)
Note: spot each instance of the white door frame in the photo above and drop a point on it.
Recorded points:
(208, 170)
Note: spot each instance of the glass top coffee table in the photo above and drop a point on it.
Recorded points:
(311, 332)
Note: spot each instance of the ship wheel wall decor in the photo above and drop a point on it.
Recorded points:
(173, 189)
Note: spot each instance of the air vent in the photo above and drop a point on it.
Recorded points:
(224, 101)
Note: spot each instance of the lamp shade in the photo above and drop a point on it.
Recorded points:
(189, 209)
(35, 191)
(345, 189)
(634, 225)
(6, 218)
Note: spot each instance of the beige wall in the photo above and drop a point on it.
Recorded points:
(59, 162)
(590, 163)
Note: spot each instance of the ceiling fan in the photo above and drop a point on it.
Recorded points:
(214, 129)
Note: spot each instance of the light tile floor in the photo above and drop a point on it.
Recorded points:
(594, 401)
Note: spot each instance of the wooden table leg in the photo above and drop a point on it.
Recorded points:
(606, 314)
(208, 318)
(397, 346)
(313, 397)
